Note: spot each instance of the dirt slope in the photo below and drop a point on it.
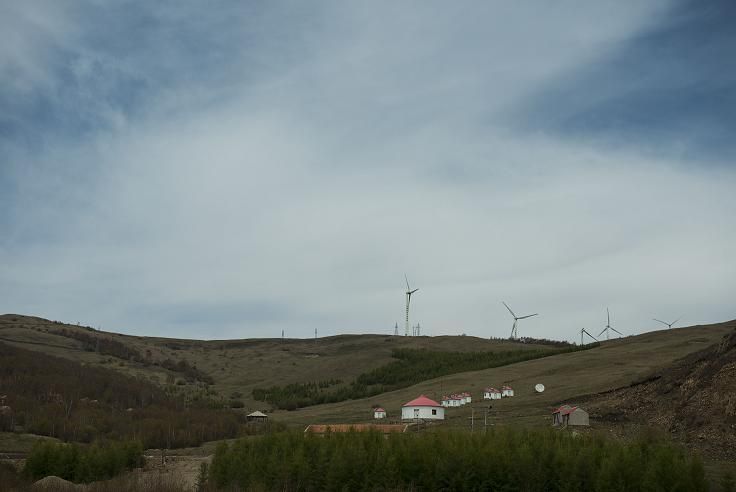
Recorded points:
(694, 399)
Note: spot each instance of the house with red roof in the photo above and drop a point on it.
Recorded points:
(379, 413)
(568, 415)
(507, 391)
(422, 408)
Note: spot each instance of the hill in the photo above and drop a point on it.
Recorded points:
(569, 378)
(231, 368)
(693, 399)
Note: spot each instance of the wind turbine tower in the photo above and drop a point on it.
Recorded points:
(608, 328)
(514, 331)
(409, 292)
(396, 329)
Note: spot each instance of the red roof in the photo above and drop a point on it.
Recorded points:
(506, 387)
(422, 401)
(379, 409)
(565, 410)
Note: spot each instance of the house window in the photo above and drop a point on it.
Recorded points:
(434, 411)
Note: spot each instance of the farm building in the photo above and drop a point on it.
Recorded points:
(321, 430)
(491, 394)
(422, 408)
(257, 417)
(467, 397)
(507, 391)
(451, 401)
(567, 415)
(379, 413)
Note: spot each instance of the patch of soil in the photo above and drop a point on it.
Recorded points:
(694, 400)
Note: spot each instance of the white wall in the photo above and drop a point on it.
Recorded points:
(425, 413)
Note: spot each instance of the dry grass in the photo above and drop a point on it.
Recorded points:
(241, 365)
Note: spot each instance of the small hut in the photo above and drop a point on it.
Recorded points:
(567, 415)
(422, 408)
(507, 391)
(256, 417)
(467, 397)
(379, 413)
(491, 394)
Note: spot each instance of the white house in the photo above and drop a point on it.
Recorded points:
(507, 391)
(468, 398)
(491, 394)
(456, 401)
(379, 413)
(445, 402)
(422, 408)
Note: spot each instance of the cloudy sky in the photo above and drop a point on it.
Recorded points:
(231, 169)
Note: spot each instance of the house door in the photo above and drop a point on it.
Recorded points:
(416, 413)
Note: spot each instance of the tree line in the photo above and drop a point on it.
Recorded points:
(61, 398)
(82, 463)
(502, 459)
(411, 366)
(109, 346)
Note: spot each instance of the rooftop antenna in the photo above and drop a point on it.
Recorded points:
(514, 331)
(409, 292)
(583, 331)
(669, 325)
(396, 330)
(608, 328)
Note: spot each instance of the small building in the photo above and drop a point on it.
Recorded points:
(326, 429)
(491, 394)
(445, 402)
(379, 413)
(256, 417)
(456, 401)
(567, 415)
(507, 391)
(422, 408)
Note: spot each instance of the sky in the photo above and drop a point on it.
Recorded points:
(234, 169)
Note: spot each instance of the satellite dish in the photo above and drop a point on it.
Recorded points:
(539, 388)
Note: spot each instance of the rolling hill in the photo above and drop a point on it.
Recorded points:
(232, 367)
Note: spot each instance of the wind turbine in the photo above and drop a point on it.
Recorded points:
(608, 327)
(669, 325)
(583, 331)
(409, 292)
(514, 332)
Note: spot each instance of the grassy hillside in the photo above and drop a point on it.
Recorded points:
(567, 378)
(235, 367)
(238, 366)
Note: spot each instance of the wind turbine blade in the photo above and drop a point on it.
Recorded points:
(609, 316)
(591, 336)
(507, 307)
(407, 283)
(602, 332)
(614, 329)
(678, 319)
(410, 293)
(664, 323)
(528, 316)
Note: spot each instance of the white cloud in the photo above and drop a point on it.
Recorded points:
(301, 198)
